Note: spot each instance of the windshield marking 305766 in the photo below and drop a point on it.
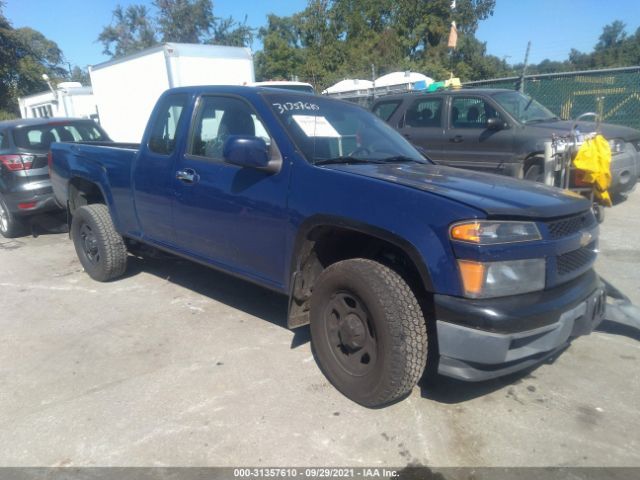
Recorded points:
(290, 106)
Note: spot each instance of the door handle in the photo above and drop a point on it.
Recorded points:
(456, 139)
(188, 175)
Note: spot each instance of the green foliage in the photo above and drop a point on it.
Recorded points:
(615, 48)
(180, 21)
(80, 75)
(229, 32)
(333, 39)
(131, 30)
(25, 55)
(184, 21)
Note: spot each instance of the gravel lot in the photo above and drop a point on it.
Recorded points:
(179, 365)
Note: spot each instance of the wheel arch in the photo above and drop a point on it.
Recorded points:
(324, 240)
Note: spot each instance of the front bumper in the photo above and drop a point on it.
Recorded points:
(483, 339)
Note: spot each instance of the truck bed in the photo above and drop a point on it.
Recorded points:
(109, 162)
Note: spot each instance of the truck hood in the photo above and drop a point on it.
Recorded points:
(496, 195)
(609, 130)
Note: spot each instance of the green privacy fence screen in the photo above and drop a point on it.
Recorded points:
(615, 93)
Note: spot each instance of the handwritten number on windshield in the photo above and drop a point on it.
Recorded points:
(292, 106)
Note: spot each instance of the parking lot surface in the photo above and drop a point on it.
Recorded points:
(176, 364)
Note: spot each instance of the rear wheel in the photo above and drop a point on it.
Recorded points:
(11, 226)
(368, 331)
(100, 248)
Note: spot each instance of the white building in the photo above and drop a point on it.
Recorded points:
(70, 99)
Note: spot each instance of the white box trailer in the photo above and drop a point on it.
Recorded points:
(126, 89)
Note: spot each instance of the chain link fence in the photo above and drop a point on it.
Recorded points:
(614, 93)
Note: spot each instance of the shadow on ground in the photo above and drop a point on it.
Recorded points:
(47, 224)
(450, 391)
(221, 287)
(615, 328)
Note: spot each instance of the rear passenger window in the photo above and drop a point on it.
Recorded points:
(384, 110)
(426, 112)
(469, 112)
(163, 132)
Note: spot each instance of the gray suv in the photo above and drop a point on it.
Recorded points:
(498, 131)
(25, 187)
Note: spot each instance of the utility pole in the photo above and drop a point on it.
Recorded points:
(373, 79)
(524, 67)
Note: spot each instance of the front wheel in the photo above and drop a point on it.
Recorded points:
(535, 173)
(100, 248)
(368, 331)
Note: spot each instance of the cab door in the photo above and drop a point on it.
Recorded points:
(153, 170)
(223, 214)
(422, 125)
(470, 143)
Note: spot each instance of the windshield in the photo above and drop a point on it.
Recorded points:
(332, 131)
(40, 137)
(523, 108)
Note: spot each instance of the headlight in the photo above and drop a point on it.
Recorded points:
(487, 232)
(616, 145)
(500, 279)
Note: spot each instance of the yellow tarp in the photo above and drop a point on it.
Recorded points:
(594, 159)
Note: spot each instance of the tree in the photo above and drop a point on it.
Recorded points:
(228, 31)
(180, 21)
(185, 21)
(281, 56)
(612, 36)
(25, 55)
(333, 39)
(130, 31)
(80, 75)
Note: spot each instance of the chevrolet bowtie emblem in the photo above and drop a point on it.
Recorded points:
(585, 239)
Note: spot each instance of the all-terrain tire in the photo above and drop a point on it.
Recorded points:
(100, 248)
(395, 355)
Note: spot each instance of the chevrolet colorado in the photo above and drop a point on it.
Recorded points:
(396, 263)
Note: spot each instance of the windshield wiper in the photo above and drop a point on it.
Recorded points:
(346, 160)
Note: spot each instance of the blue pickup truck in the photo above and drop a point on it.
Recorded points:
(398, 265)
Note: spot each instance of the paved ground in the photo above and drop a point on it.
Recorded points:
(179, 365)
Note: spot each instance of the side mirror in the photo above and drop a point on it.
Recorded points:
(495, 124)
(251, 152)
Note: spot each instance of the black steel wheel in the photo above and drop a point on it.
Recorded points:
(351, 333)
(367, 331)
(100, 248)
